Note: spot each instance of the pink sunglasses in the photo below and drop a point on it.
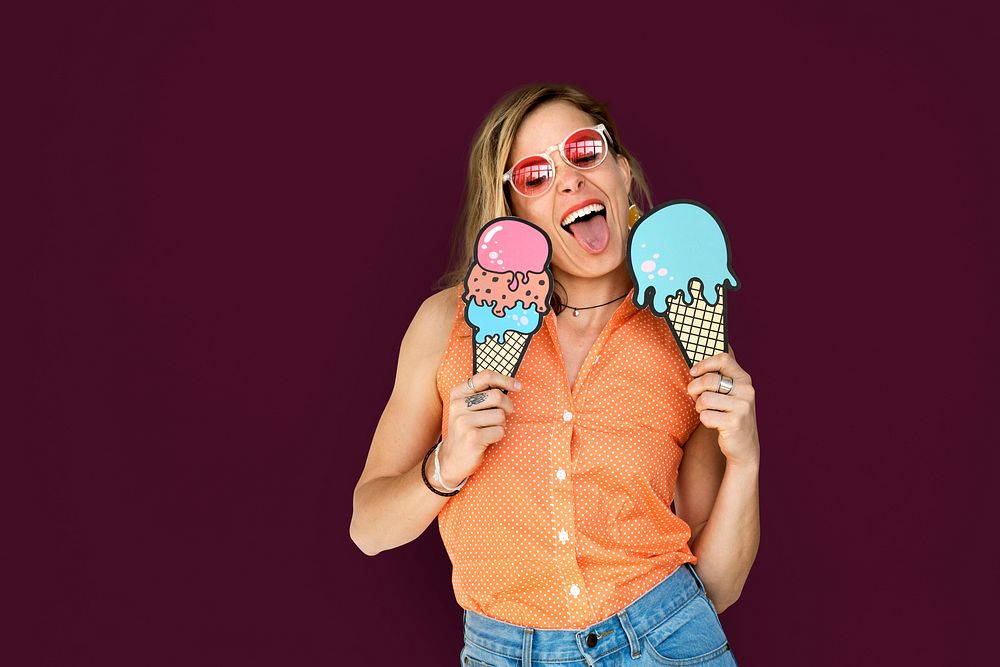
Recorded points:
(582, 149)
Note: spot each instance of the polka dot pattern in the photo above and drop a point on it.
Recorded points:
(568, 520)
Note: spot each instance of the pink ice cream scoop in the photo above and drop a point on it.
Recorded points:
(511, 245)
(515, 246)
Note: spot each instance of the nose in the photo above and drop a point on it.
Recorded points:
(568, 179)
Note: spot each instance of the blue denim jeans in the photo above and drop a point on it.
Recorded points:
(673, 624)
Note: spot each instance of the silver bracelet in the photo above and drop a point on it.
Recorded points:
(437, 472)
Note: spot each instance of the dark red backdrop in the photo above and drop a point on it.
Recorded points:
(232, 210)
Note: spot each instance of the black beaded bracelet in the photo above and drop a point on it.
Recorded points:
(423, 474)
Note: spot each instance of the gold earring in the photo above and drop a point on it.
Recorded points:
(633, 215)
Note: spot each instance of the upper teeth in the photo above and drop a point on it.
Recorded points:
(580, 212)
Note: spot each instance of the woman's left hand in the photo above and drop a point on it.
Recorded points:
(733, 415)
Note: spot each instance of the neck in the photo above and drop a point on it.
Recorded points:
(582, 292)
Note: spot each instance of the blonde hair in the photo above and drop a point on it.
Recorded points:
(485, 196)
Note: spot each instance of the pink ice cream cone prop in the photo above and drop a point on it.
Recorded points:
(507, 292)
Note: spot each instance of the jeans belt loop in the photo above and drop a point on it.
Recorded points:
(633, 638)
(701, 584)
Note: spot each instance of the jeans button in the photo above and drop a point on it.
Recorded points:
(591, 640)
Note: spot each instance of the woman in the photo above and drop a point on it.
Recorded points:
(553, 490)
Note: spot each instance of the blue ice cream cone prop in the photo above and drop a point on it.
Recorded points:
(679, 260)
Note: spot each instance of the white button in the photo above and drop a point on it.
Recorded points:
(560, 474)
(567, 416)
(574, 590)
(563, 536)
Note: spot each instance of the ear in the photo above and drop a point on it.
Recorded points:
(626, 170)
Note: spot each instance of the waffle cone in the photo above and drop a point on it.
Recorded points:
(700, 329)
(505, 358)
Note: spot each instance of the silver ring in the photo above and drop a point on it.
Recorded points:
(726, 384)
(469, 383)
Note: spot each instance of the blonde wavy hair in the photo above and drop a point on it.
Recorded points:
(485, 195)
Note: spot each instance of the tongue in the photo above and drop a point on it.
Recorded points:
(592, 234)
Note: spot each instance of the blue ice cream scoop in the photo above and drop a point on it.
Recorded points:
(485, 323)
(673, 244)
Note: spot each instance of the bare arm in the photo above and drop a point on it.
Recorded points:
(719, 500)
(391, 504)
(717, 483)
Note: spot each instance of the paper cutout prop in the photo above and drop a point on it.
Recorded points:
(507, 291)
(675, 251)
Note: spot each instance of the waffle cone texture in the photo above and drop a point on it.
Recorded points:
(700, 328)
(502, 358)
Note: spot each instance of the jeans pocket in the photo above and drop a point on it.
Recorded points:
(469, 661)
(692, 636)
(473, 656)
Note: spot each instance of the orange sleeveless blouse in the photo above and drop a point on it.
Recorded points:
(568, 520)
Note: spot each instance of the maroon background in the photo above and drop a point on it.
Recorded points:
(228, 213)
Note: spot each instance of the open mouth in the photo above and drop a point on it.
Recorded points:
(589, 226)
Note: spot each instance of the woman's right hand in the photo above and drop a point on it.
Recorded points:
(476, 418)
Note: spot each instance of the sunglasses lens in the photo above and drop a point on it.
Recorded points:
(585, 149)
(531, 176)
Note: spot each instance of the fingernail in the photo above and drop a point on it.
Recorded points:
(517, 384)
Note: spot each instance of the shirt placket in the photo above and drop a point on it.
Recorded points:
(563, 526)
(579, 601)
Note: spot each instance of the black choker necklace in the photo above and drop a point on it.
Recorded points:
(577, 309)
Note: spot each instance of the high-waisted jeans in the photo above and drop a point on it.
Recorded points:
(673, 624)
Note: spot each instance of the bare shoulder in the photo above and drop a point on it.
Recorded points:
(437, 312)
(431, 327)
